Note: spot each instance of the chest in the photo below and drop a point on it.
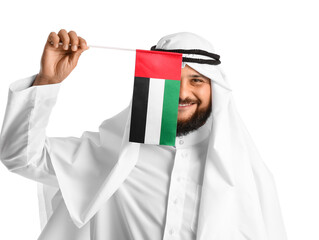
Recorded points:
(160, 198)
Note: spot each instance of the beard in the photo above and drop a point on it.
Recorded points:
(195, 121)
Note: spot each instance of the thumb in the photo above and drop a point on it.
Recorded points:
(74, 57)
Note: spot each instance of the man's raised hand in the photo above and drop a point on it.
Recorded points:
(60, 56)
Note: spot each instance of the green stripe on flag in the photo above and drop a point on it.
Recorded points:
(170, 110)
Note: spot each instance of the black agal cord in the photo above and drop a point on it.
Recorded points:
(214, 61)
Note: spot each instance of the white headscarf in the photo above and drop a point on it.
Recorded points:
(239, 199)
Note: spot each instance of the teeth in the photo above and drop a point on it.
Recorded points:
(183, 105)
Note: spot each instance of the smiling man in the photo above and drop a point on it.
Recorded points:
(194, 101)
(212, 184)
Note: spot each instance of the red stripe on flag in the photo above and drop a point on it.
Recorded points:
(155, 64)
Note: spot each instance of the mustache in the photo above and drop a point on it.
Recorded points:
(189, 100)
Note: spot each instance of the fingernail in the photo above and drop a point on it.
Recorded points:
(66, 47)
(74, 47)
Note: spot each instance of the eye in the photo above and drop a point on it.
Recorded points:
(197, 80)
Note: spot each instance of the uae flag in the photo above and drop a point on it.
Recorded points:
(155, 97)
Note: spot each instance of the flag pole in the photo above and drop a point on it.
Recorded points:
(114, 48)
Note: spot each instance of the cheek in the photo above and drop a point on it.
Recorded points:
(204, 94)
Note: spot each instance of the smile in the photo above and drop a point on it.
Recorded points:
(180, 106)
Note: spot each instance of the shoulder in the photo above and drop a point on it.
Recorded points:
(113, 128)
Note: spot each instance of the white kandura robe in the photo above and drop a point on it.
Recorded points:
(158, 200)
(238, 194)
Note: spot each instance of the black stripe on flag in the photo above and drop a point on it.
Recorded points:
(139, 109)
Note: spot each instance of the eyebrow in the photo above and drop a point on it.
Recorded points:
(195, 75)
(198, 76)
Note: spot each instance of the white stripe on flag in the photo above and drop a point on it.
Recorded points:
(154, 111)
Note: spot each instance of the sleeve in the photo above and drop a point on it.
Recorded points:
(24, 146)
(87, 170)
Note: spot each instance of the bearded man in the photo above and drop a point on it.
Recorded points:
(211, 185)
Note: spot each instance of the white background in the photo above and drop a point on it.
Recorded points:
(269, 52)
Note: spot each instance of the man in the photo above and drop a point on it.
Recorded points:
(211, 185)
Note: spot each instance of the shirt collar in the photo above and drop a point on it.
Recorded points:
(194, 137)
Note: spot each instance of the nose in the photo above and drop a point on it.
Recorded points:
(184, 91)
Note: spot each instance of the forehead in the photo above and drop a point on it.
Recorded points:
(187, 71)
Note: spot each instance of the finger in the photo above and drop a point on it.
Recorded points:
(53, 39)
(76, 55)
(64, 36)
(82, 43)
(74, 40)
